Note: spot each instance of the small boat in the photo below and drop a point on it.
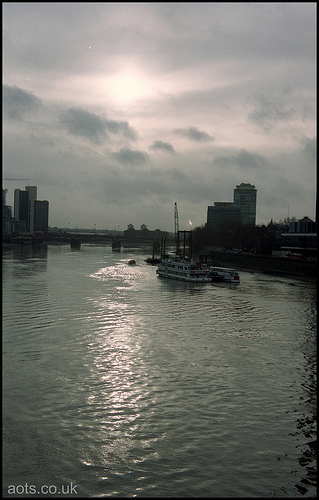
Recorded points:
(131, 262)
(153, 260)
(223, 274)
(183, 269)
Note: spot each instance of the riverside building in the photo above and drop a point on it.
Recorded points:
(241, 210)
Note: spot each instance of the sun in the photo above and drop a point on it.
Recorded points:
(128, 87)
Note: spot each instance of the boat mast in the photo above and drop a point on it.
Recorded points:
(177, 250)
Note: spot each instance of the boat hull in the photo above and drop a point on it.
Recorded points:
(224, 274)
(179, 269)
(192, 279)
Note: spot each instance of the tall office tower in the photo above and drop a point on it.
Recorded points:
(32, 194)
(245, 197)
(40, 220)
(4, 196)
(21, 206)
(32, 190)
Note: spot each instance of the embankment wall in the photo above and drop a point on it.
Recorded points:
(266, 264)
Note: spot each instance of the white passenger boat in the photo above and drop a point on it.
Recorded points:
(223, 274)
(183, 269)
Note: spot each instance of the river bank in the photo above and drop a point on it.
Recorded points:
(280, 266)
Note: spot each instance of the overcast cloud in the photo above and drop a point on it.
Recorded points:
(118, 110)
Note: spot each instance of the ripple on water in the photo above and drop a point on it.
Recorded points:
(129, 385)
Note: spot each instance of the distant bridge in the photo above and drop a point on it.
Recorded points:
(98, 238)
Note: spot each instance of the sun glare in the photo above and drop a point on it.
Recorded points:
(129, 87)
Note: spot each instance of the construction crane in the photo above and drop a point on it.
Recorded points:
(176, 229)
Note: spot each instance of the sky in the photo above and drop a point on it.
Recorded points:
(116, 111)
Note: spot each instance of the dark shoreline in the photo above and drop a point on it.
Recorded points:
(278, 266)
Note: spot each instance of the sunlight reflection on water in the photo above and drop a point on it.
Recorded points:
(128, 384)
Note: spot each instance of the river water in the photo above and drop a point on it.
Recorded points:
(118, 383)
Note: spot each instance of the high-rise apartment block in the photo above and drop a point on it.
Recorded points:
(39, 216)
(245, 197)
(32, 195)
(21, 206)
(241, 210)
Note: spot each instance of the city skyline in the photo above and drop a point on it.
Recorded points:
(235, 211)
(28, 214)
(117, 111)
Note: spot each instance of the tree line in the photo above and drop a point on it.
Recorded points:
(260, 239)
